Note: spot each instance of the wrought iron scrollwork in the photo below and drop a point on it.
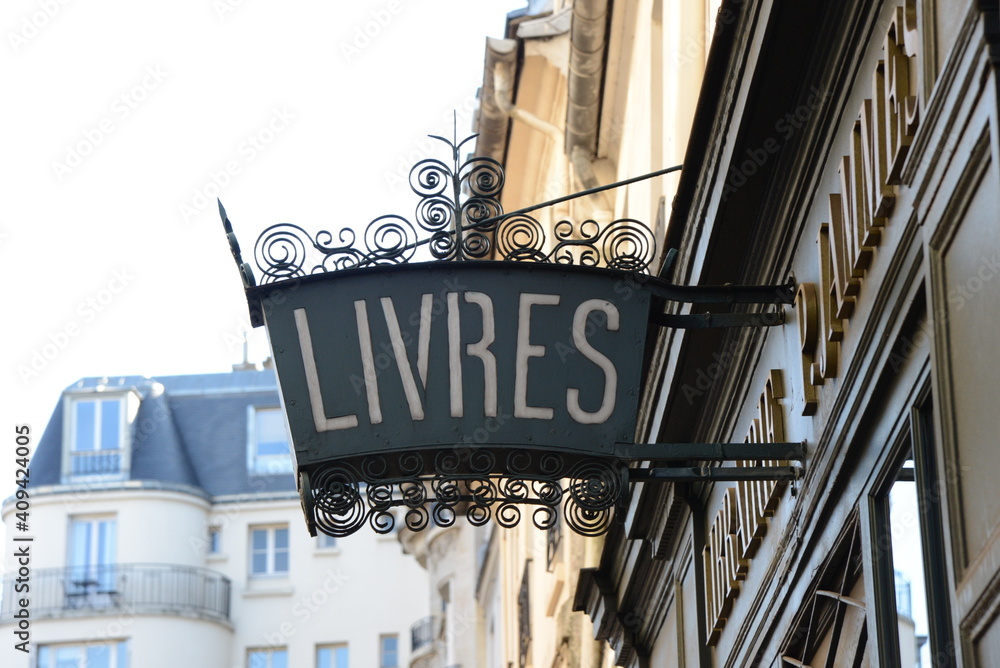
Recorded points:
(458, 217)
(384, 489)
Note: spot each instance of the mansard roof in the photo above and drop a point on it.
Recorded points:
(189, 432)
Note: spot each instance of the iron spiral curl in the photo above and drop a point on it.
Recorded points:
(430, 177)
(338, 506)
(280, 252)
(484, 176)
(472, 228)
(408, 488)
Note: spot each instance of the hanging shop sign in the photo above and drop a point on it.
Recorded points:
(467, 362)
(425, 356)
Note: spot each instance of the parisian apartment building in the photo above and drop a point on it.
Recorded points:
(848, 150)
(168, 532)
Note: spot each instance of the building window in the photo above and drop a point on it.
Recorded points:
(269, 551)
(268, 450)
(214, 540)
(524, 616)
(388, 651)
(830, 627)
(325, 542)
(267, 658)
(90, 655)
(97, 428)
(331, 656)
(913, 600)
(91, 576)
(552, 540)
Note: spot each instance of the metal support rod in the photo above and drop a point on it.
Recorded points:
(717, 473)
(714, 452)
(582, 193)
(720, 294)
(716, 320)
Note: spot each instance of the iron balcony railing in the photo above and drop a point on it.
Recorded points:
(422, 634)
(96, 462)
(133, 588)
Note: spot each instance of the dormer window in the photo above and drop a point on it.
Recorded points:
(269, 452)
(96, 436)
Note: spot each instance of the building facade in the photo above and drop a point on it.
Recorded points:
(851, 149)
(576, 95)
(166, 531)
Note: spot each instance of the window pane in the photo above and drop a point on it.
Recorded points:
(281, 562)
(98, 656)
(110, 416)
(323, 658)
(340, 657)
(259, 539)
(279, 659)
(80, 543)
(259, 562)
(257, 660)
(85, 424)
(106, 542)
(281, 539)
(122, 655)
(69, 657)
(908, 566)
(390, 658)
(44, 657)
(272, 448)
(272, 439)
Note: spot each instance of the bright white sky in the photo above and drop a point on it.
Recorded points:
(117, 113)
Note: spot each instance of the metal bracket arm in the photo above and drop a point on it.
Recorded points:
(716, 473)
(710, 452)
(717, 320)
(721, 294)
(717, 452)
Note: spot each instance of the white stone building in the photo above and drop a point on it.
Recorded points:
(167, 532)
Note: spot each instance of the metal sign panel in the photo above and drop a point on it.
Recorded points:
(468, 385)
(430, 356)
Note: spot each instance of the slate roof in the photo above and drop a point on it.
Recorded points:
(189, 430)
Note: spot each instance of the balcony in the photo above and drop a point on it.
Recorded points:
(132, 588)
(422, 634)
(423, 648)
(96, 462)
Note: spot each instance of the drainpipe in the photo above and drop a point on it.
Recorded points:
(492, 122)
(503, 101)
(588, 39)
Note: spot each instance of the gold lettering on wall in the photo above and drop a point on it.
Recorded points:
(878, 144)
(740, 525)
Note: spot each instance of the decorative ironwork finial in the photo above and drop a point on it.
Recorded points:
(246, 273)
(458, 217)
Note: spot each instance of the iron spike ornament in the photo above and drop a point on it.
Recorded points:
(467, 362)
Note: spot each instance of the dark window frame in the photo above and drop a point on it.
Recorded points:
(915, 441)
